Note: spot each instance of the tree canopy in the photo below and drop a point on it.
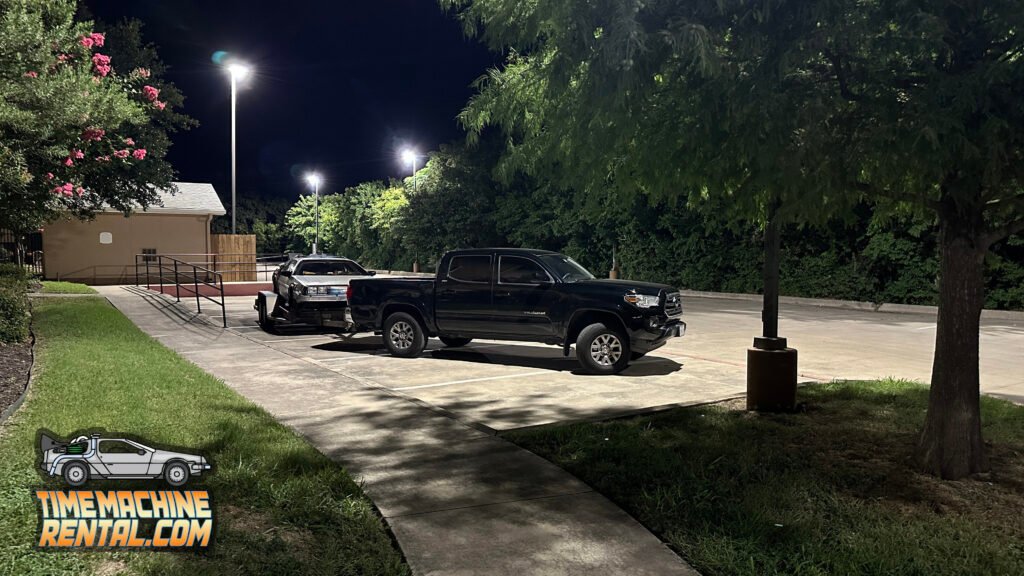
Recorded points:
(73, 123)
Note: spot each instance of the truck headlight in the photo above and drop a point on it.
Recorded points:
(642, 300)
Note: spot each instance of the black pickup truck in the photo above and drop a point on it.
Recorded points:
(517, 294)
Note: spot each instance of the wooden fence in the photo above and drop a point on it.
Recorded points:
(235, 256)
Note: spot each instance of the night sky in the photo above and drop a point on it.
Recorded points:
(339, 86)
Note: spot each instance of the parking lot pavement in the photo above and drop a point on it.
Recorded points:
(508, 385)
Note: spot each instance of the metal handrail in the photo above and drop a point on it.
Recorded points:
(255, 266)
(165, 263)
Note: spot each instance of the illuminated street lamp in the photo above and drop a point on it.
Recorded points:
(238, 72)
(409, 156)
(314, 180)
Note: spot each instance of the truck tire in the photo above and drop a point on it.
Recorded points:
(176, 474)
(265, 321)
(601, 349)
(404, 336)
(75, 474)
(455, 342)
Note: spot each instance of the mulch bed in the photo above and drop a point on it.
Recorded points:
(15, 363)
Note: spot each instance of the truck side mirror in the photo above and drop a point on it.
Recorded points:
(372, 272)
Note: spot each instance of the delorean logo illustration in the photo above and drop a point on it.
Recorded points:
(116, 459)
(121, 518)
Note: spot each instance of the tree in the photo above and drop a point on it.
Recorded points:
(72, 128)
(810, 106)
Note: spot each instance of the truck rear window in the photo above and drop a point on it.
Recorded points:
(470, 269)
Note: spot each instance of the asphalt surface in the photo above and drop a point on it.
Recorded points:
(508, 385)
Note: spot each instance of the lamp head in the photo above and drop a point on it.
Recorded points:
(409, 156)
(239, 71)
(314, 179)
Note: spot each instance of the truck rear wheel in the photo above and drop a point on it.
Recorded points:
(403, 335)
(455, 342)
(601, 349)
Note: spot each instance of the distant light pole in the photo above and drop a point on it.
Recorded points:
(238, 71)
(409, 156)
(314, 180)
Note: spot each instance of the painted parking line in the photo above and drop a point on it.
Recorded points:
(471, 380)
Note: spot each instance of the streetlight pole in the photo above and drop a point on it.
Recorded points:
(316, 215)
(314, 180)
(234, 183)
(238, 72)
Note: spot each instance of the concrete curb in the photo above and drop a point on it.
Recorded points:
(853, 305)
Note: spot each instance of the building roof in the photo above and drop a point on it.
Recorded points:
(190, 198)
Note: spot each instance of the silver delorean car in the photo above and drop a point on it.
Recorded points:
(94, 457)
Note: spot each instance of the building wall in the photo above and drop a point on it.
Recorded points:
(72, 249)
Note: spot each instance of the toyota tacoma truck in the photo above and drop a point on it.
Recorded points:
(519, 294)
(309, 290)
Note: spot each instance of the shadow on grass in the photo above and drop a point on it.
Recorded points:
(831, 490)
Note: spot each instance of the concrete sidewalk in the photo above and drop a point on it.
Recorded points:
(458, 500)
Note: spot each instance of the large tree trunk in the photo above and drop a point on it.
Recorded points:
(951, 446)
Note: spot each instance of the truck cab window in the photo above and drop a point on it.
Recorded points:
(474, 269)
(515, 270)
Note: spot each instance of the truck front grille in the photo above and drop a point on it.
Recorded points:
(673, 304)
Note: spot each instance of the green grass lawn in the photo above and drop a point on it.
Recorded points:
(827, 491)
(55, 287)
(280, 506)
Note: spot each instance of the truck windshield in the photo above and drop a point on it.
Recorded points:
(565, 268)
(329, 268)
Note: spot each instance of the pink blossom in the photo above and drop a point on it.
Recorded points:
(101, 64)
(93, 134)
(129, 142)
(160, 105)
(31, 74)
(139, 154)
(121, 154)
(69, 162)
(63, 57)
(79, 190)
(77, 154)
(57, 190)
(98, 39)
(86, 41)
(103, 158)
(142, 72)
(49, 175)
(67, 189)
(150, 93)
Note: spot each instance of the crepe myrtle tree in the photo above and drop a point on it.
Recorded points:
(807, 106)
(69, 120)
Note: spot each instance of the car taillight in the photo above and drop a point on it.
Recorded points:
(348, 292)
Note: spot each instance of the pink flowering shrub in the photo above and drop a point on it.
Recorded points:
(150, 93)
(101, 64)
(77, 154)
(160, 105)
(129, 141)
(139, 154)
(121, 154)
(142, 72)
(93, 134)
(98, 39)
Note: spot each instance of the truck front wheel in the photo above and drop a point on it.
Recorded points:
(601, 349)
(403, 335)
